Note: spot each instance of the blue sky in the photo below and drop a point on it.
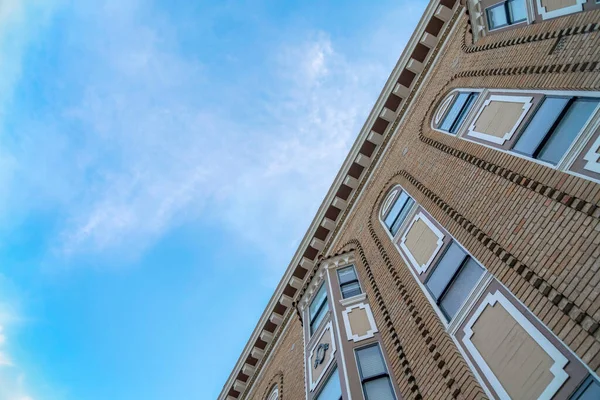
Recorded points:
(159, 164)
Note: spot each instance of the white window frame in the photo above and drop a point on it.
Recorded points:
(440, 242)
(370, 333)
(452, 95)
(527, 102)
(560, 361)
(577, 7)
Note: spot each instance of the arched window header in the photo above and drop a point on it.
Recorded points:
(274, 395)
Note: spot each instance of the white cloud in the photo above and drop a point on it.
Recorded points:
(150, 143)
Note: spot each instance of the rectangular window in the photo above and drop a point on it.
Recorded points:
(318, 308)
(453, 278)
(458, 111)
(398, 212)
(349, 285)
(554, 127)
(506, 13)
(332, 389)
(374, 376)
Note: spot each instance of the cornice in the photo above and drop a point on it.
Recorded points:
(355, 171)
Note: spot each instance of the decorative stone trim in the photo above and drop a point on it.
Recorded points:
(575, 30)
(370, 333)
(527, 101)
(440, 242)
(560, 361)
(330, 356)
(578, 6)
(593, 158)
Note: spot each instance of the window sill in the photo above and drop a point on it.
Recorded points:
(353, 299)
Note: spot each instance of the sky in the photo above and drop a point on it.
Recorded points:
(160, 162)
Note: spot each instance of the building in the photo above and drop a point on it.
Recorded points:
(456, 254)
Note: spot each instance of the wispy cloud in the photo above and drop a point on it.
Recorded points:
(142, 147)
(146, 140)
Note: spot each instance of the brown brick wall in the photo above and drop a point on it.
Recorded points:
(534, 228)
(287, 362)
(553, 247)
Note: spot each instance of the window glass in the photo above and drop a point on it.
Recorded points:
(350, 290)
(463, 113)
(590, 390)
(373, 374)
(458, 111)
(461, 287)
(348, 282)
(347, 274)
(567, 130)
(445, 269)
(496, 16)
(540, 124)
(517, 10)
(370, 361)
(318, 308)
(379, 389)
(452, 114)
(318, 300)
(332, 389)
(402, 216)
(398, 212)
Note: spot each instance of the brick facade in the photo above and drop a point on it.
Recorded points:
(535, 229)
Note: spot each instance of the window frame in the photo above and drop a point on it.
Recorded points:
(462, 114)
(311, 319)
(325, 380)
(364, 380)
(455, 275)
(355, 280)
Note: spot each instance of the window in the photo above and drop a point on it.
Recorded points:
(589, 390)
(274, 394)
(455, 275)
(349, 285)
(398, 212)
(506, 13)
(332, 389)
(458, 111)
(374, 376)
(318, 308)
(554, 127)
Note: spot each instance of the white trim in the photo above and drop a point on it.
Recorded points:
(328, 328)
(593, 158)
(578, 6)
(440, 235)
(560, 361)
(339, 336)
(527, 103)
(370, 333)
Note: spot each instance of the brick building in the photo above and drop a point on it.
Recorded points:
(456, 254)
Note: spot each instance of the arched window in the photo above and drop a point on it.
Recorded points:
(559, 129)
(274, 395)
